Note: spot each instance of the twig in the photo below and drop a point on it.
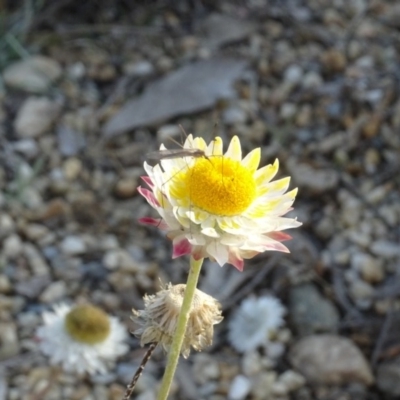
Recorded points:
(340, 293)
(382, 335)
(351, 188)
(132, 384)
(255, 280)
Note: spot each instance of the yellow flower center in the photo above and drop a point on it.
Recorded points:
(219, 185)
(87, 324)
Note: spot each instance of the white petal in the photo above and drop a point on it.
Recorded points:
(218, 252)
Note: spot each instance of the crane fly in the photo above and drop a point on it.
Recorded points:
(169, 154)
(175, 153)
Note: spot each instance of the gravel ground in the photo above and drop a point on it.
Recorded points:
(89, 88)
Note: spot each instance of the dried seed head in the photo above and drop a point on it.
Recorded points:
(159, 319)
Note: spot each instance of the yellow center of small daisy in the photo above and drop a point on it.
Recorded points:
(87, 324)
(220, 186)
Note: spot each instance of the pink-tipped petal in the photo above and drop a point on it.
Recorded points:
(181, 247)
(236, 260)
(147, 180)
(276, 246)
(149, 196)
(279, 236)
(157, 222)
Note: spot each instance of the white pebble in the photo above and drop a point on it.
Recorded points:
(28, 147)
(240, 388)
(292, 380)
(385, 249)
(293, 74)
(35, 117)
(73, 245)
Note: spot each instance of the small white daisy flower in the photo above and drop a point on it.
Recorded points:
(81, 338)
(219, 205)
(255, 322)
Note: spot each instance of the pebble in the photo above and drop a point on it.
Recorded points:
(315, 180)
(279, 389)
(304, 115)
(70, 141)
(7, 225)
(139, 69)
(362, 293)
(5, 284)
(72, 167)
(125, 188)
(12, 246)
(32, 288)
(147, 395)
(76, 71)
(370, 268)
(251, 363)
(32, 198)
(9, 343)
(293, 74)
(325, 227)
(288, 110)
(385, 249)
(35, 117)
(55, 291)
(310, 312)
(274, 350)
(240, 388)
(234, 115)
(73, 245)
(262, 385)
(109, 242)
(27, 147)
(120, 259)
(330, 360)
(388, 377)
(35, 260)
(4, 388)
(35, 232)
(168, 132)
(333, 61)
(34, 74)
(292, 380)
(205, 368)
(312, 80)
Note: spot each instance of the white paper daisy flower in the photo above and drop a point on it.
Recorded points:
(82, 339)
(219, 205)
(255, 322)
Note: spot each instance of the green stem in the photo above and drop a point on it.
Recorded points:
(173, 354)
